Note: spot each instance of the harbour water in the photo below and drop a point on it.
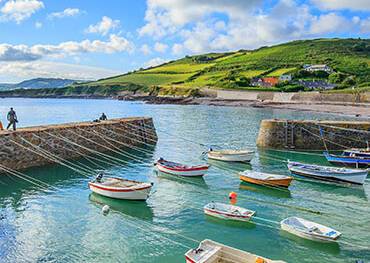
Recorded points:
(63, 222)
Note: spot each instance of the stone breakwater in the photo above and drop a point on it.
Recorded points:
(306, 135)
(27, 147)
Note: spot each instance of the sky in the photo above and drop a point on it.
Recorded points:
(93, 39)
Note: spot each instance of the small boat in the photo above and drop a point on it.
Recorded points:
(210, 251)
(349, 158)
(328, 173)
(265, 178)
(357, 152)
(226, 211)
(120, 188)
(179, 169)
(231, 155)
(309, 230)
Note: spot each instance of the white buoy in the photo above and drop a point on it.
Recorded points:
(105, 209)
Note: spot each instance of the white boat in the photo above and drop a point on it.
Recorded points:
(265, 178)
(120, 188)
(309, 230)
(179, 169)
(229, 212)
(210, 251)
(329, 173)
(231, 155)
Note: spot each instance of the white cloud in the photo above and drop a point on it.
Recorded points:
(329, 23)
(38, 25)
(27, 53)
(177, 49)
(145, 49)
(360, 5)
(365, 26)
(68, 12)
(19, 10)
(154, 62)
(104, 26)
(160, 47)
(248, 24)
(166, 16)
(18, 71)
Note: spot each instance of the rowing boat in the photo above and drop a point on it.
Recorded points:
(309, 230)
(121, 188)
(328, 173)
(210, 251)
(229, 212)
(265, 178)
(179, 169)
(231, 155)
(349, 158)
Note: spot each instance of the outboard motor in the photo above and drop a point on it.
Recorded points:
(99, 178)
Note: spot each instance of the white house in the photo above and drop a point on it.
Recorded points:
(318, 67)
(285, 77)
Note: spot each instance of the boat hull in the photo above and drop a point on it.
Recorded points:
(134, 194)
(195, 172)
(304, 235)
(347, 160)
(354, 178)
(277, 182)
(245, 157)
(225, 216)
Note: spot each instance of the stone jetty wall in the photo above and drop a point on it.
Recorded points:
(16, 153)
(305, 135)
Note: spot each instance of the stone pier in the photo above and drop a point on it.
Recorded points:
(15, 152)
(306, 135)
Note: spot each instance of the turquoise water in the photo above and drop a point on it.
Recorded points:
(63, 221)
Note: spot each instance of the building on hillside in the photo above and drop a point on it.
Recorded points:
(285, 77)
(265, 82)
(316, 84)
(270, 81)
(318, 67)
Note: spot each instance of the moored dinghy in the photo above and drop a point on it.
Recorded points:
(226, 211)
(210, 251)
(120, 188)
(328, 173)
(349, 158)
(179, 169)
(309, 230)
(231, 155)
(265, 178)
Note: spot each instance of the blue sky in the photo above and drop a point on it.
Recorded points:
(94, 39)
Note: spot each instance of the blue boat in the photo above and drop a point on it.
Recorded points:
(348, 159)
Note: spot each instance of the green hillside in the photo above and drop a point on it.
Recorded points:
(349, 59)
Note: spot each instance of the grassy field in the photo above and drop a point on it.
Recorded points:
(233, 70)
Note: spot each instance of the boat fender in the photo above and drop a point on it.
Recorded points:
(105, 209)
(151, 183)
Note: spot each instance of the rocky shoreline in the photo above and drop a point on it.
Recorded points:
(361, 110)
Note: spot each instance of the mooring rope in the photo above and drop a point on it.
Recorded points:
(88, 169)
(43, 155)
(103, 155)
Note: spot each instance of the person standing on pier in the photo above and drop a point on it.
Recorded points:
(12, 119)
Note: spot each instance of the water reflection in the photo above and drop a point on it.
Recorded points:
(136, 209)
(197, 181)
(267, 190)
(328, 247)
(230, 223)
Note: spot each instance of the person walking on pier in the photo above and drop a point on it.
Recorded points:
(12, 119)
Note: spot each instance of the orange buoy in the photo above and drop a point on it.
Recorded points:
(260, 260)
(233, 201)
(233, 195)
